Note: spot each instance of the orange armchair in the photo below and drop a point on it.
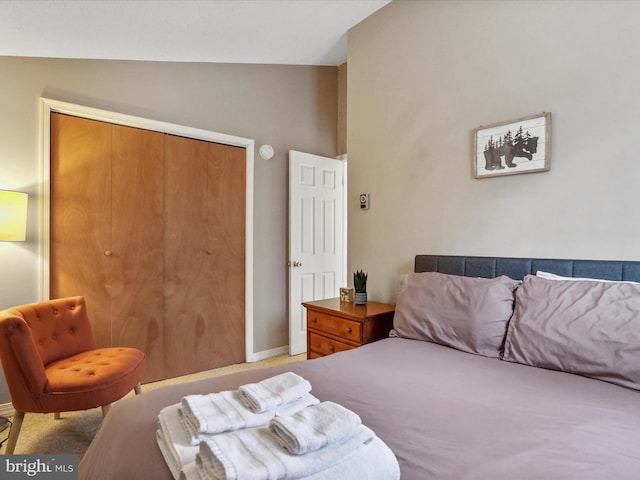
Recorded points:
(52, 365)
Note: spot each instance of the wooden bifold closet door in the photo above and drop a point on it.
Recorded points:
(150, 228)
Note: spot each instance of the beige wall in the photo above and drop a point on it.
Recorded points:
(289, 107)
(342, 109)
(423, 74)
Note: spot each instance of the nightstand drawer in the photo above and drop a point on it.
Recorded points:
(325, 345)
(347, 329)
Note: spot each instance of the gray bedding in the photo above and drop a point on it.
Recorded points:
(445, 414)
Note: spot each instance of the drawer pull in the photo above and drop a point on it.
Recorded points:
(332, 348)
(349, 330)
(315, 320)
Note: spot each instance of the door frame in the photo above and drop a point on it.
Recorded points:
(47, 106)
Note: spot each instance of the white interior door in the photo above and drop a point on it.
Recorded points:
(317, 260)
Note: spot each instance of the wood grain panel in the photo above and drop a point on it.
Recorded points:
(204, 255)
(226, 201)
(150, 228)
(137, 308)
(81, 216)
(186, 333)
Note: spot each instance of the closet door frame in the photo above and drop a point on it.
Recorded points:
(48, 106)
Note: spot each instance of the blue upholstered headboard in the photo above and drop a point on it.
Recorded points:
(517, 268)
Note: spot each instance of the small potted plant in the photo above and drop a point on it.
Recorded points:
(360, 286)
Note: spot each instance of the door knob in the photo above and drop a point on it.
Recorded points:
(108, 253)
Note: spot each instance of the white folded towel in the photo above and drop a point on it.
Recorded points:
(314, 427)
(253, 454)
(168, 456)
(270, 393)
(190, 472)
(223, 412)
(174, 442)
(374, 460)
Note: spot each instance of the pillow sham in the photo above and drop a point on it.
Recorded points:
(583, 327)
(553, 276)
(469, 314)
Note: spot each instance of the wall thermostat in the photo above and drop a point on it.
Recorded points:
(364, 201)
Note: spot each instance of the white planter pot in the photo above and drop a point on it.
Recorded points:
(361, 298)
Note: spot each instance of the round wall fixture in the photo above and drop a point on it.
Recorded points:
(266, 152)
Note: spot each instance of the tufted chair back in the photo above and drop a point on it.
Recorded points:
(33, 336)
(52, 365)
(60, 328)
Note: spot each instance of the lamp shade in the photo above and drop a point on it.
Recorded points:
(13, 216)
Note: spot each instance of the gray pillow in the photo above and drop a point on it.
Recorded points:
(469, 314)
(588, 327)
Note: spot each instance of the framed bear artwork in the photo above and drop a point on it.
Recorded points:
(517, 146)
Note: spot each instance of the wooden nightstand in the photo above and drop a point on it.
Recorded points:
(334, 326)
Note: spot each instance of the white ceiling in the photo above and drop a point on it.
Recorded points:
(295, 32)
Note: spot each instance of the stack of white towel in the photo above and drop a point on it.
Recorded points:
(184, 425)
(274, 429)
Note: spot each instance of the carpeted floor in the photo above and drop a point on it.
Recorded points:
(73, 432)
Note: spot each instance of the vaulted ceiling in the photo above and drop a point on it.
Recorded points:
(296, 32)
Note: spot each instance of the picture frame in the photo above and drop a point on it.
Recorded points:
(517, 146)
(347, 295)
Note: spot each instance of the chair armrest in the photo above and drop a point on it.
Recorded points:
(23, 367)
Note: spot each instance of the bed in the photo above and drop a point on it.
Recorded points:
(449, 405)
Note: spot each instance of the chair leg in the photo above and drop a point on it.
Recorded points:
(56, 416)
(15, 431)
(105, 410)
(138, 389)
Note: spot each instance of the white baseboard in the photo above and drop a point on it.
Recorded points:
(6, 410)
(263, 355)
